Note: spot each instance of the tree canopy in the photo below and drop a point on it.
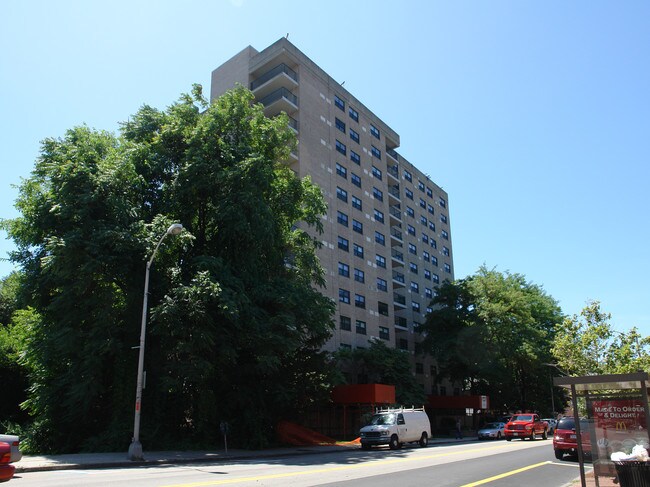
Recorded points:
(587, 344)
(236, 318)
(492, 331)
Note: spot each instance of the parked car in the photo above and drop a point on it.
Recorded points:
(393, 427)
(6, 468)
(14, 444)
(565, 439)
(552, 424)
(526, 425)
(491, 431)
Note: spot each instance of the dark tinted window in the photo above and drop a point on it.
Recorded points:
(566, 424)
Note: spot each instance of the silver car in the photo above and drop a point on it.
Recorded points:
(14, 444)
(491, 431)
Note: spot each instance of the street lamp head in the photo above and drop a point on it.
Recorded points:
(175, 229)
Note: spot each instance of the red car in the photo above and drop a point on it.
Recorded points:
(565, 438)
(6, 469)
(526, 425)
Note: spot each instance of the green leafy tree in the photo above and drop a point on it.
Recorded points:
(236, 321)
(587, 344)
(493, 331)
(383, 365)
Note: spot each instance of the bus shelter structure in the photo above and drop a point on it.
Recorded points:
(611, 415)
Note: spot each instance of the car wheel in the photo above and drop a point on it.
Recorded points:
(532, 435)
(365, 446)
(498, 435)
(508, 438)
(545, 435)
(424, 440)
(394, 443)
(559, 454)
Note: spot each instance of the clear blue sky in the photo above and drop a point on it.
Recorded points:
(533, 116)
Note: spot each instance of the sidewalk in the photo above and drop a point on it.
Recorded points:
(34, 463)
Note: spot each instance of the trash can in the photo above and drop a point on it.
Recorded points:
(633, 473)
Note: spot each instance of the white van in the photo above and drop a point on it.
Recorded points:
(393, 427)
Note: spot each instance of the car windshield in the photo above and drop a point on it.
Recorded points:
(522, 417)
(380, 419)
(491, 426)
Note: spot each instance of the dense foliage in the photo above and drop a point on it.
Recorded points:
(236, 322)
(493, 331)
(587, 344)
(382, 365)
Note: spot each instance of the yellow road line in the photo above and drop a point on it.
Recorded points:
(330, 469)
(506, 474)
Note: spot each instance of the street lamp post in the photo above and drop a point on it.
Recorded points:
(555, 366)
(135, 448)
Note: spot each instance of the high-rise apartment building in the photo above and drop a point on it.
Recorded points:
(387, 238)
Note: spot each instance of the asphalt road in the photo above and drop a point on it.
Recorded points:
(497, 464)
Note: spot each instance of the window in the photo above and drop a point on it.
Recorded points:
(339, 103)
(432, 226)
(356, 203)
(384, 333)
(341, 194)
(447, 268)
(444, 235)
(341, 171)
(419, 368)
(376, 173)
(358, 250)
(380, 238)
(354, 115)
(445, 251)
(344, 296)
(442, 203)
(382, 308)
(413, 267)
(408, 176)
(361, 327)
(357, 226)
(434, 244)
(427, 274)
(415, 306)
(354, 135)
(345, 323)
(415, 287)
(413, 249)
(359, 275)
(344, 270)
(374, 131)
(360, 301)
(429, 192)
(408, 193)
(428, 293)
(425, 238)
(344, 244)
(356, 180)
(354, 157)
(378, 194)
(443, 391)
(375, 152)
(434, 260)
(339, 125)
(436, 278)
(340, 146)
(410, 229)
(403, 344)
(425, 256)
(342, 218)
(423, 220)
(410, 212)
(382, 285)
(379, 216)
(443, 218)
(423, 204)
(430, 209)
(420, 185)
(380, 261)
